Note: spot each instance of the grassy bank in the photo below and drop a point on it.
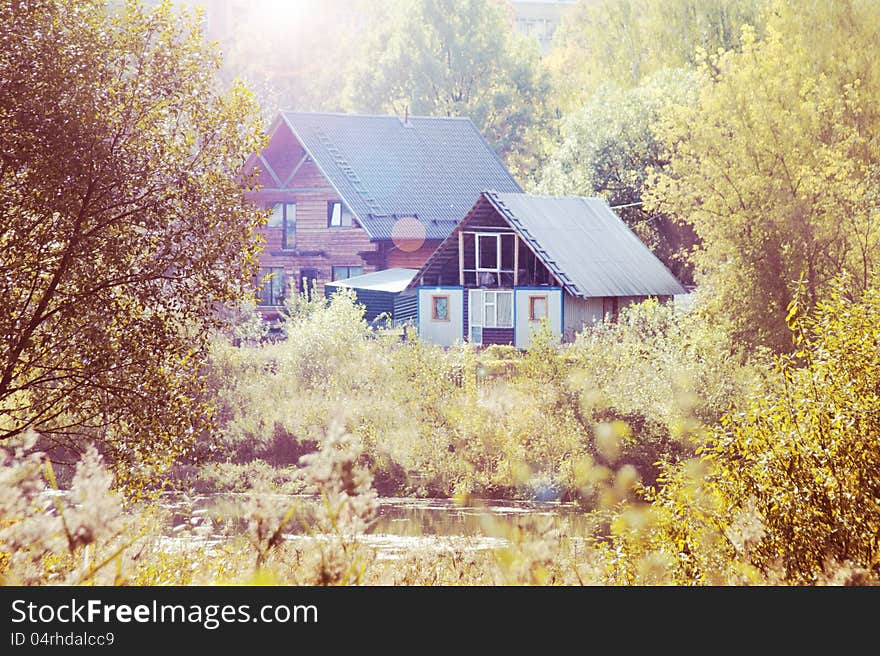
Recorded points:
(442, 422)
(691, 463)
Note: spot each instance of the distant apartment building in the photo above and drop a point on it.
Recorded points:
(540, 18)
(535, 18)
(221, 17)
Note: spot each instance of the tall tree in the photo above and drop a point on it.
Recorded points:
(607, 149)
(776, 164)
(458, 58)
(623, 41)
(123, 224)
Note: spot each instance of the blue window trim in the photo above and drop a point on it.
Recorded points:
(562, 315)
(514, 318)
(544, 288)
(534, 289)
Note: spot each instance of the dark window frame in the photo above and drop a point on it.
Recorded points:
(286, 224)
(285, 228)
(343, 215)
(348, 267)
(266, 282)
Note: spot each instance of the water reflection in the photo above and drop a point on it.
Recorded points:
(402, 524)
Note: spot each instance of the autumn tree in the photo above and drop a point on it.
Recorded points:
(124, 224)
(776, 163)
(625, 41)
(804, 457)
(787, 484)
(458, 58)
(607, 149)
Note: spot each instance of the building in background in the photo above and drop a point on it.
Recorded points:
(221, 17)
(535, 18)
(352, 194)
(540, 18)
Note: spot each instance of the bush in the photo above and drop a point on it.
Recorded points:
(665, 374)
(806, 456)
(788, 484)
(490, 422)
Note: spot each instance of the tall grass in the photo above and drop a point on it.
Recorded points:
(644, 423)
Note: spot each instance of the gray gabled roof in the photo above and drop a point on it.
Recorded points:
(589, 249)
(430, 168)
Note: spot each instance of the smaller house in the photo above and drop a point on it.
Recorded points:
(518, 259)
(377, 291)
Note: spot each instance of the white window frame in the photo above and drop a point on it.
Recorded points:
(498, 271)
(487, 235)
(484, 303)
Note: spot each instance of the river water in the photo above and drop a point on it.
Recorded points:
(402, 524)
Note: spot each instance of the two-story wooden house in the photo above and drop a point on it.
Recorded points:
(518, 259)
(351, 194)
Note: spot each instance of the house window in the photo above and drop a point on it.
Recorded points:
(493, 258)
(440, 308)
(490, 309)
(272, 286)
(337, 215)
(284, 216)
(276, 218)
(308, 280)
(537, 308)
(488, 252)
(344, 272)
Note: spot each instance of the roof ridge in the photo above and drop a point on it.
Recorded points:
(554, 196)
(495, 155)
(356, 115)
(539, 250)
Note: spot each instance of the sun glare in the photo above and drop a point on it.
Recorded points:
(277, 14)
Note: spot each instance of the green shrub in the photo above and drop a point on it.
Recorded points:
(788, 484)
(806, 456)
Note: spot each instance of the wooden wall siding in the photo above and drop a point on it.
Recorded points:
(317, 246)
(482, 218)
(497, 336)
(400, 259)
(580, 312)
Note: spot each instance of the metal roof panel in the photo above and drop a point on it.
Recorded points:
(585, 244)
(431, 168)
